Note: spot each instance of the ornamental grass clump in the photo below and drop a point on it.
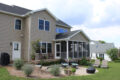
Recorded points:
(28, 69)
(55, 70)
(18, 63)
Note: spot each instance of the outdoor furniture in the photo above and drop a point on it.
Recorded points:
(104, 64)
(65, 64)
(97, 63)
(91, 70)
(75, 65)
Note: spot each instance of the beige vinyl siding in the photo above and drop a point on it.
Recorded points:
(8, 34)
(79, 37)
(42, 35)
(27, 22)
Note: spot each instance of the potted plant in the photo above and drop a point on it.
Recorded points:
(33, 57)
(73, 70)
(68, 71)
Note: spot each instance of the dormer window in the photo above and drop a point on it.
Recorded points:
(18, 24)
(44, 25)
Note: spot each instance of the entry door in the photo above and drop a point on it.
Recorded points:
(16, 50)
(57, 51)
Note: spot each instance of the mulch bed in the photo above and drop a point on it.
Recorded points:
(43, 73)
(36, 73)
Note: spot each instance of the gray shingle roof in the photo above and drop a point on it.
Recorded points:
(22, 11)
(65, 35)
(101, 48)
(60, 22)
(13, 9)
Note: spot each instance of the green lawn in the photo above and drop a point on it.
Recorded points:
(113, 73)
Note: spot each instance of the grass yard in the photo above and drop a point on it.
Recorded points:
(113, 73)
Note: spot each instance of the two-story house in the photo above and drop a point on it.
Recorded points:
(20, 26)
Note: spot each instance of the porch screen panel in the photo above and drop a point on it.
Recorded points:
(84, 49)
(63, 50)
(80, 49)
(75, 49)
(88, 50)
(63, 46)
(70, 49)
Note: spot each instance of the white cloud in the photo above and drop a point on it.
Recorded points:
(109, 34)
(93, 13)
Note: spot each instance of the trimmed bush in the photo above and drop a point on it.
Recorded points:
(118, 60)
(100, 58)
(18, 63)
(73, 70)
(47, 63)
(55, 70)
(28, 69)
(84, 62)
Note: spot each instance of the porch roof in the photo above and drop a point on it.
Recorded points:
(68, 35)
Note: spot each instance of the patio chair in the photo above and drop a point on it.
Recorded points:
(97, 63)
(104, 64)
(64, 65)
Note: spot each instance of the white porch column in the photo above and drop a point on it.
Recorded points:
(67, 49)
(82, 49)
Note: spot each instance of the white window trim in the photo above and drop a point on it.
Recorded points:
(44, 25)
(60, 28)
(49, 25)
(46, 46)
(56, 51)
(15, 23)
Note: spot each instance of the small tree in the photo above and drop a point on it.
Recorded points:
(113, 53)
(35, 48)
(102, 42)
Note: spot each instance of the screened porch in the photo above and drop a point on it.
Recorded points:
(71, 50)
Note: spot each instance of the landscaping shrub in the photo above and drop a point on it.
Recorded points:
(84, 62)
(113, 53)
(47, 63)
(100, 58)
(92, 60)
(73, 70)
(55, 70)
(118, 60)
(18, 63)
(28, 69)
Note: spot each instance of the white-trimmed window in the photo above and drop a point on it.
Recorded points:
(60, 30)
(44, 25)
(18, 24)
(46, 47)
(101, 56)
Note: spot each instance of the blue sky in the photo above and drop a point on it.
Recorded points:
(99, 19)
